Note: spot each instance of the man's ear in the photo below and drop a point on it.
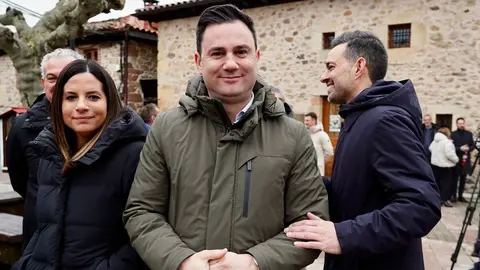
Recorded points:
(42, 81)
(198, 61)
(360, 67)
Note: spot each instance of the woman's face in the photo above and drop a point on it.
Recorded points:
(84, 105)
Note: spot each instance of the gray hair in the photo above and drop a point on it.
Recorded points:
(58, 53)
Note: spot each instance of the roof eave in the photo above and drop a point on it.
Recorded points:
(193, 9)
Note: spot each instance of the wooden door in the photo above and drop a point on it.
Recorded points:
(329, 116)
(444, 120)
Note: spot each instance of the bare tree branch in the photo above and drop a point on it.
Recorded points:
(66, 20)
(15, 17)
(55, 17)
(24, 62)
(8, 42)
(75, 13)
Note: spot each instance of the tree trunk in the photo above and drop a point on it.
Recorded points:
(27, 66)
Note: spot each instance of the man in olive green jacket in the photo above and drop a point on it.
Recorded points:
(227, 169)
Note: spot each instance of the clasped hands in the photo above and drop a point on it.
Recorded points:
(465, 148)
(218, 259)
(314, 232)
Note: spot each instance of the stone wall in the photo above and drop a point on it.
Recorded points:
(443, 60)
(9, 95)
(142, 66)
(108, 56)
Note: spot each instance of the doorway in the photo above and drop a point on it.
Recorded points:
(332, 123)
(150, 93)
(444, 120)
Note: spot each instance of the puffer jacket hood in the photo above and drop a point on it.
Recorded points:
(401, 94)
(440, 137)
(196, 94)
(38, 116)
(315, 129)
(288, 107)
(289, 110)
(197, 101)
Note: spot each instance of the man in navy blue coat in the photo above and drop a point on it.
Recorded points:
(383, 197)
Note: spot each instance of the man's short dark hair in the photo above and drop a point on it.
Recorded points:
(460, 118)
(367, 45)
(312, 115)
(147, 111)
(222, 14)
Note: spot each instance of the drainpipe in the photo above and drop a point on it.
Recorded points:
(125, 68)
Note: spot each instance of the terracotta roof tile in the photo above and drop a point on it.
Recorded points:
(4, 110)
(122, 23)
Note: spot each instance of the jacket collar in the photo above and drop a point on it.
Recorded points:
(38, 116)
(264, 104)
(239, 115)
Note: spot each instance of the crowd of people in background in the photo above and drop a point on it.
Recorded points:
(450, 157)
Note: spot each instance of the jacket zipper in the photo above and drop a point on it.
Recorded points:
(232, 221)
(246, 196)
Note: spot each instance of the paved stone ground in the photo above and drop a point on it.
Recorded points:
(438, 245)
(5, 183)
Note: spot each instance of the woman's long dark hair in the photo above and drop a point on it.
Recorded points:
(63, 134)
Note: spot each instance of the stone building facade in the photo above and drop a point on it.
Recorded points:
(442, 58)
(142, 65)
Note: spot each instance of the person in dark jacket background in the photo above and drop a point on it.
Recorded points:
(22, 169)
(463, 141)
(87, 160)
(428, 131)
(383, 196)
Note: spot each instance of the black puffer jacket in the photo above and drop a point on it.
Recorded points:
(80, 213)
(22, 167)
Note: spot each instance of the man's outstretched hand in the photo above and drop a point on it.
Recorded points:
(316, 233)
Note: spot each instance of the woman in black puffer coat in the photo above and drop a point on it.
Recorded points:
(88, 158)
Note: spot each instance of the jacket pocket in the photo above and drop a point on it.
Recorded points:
(246, 194)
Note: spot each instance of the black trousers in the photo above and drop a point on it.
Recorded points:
(459, 178)
(444, 179)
